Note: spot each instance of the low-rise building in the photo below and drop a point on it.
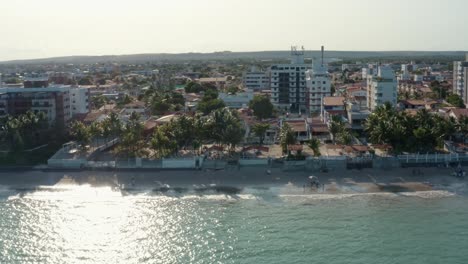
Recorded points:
(237, 100)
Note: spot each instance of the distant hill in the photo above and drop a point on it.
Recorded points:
(227, 55)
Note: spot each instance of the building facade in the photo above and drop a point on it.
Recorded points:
(460, 84)
(79, 98)
(318, 84)
(288, 83)
(54, 102)
(382, 88)
(256, 80)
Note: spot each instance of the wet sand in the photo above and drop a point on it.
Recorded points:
(344, 181)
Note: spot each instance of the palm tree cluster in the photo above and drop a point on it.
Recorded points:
(162, 101)
(222, 126)
(23, 131)
(405, 133)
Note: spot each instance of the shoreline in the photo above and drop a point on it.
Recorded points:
(339, 181)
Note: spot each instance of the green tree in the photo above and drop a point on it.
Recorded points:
(314, 144)
(261, 107)
(208, 106)
(455, 100)
(336, 127)
(287, 137)
(161, 143)
(260, 129)
(131, 140)
(81, 133)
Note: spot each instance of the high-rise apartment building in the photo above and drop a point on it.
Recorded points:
(288, 83)
(381, 88)
(460, 84)
(318, 84)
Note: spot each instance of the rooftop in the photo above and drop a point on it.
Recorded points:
(333, 101)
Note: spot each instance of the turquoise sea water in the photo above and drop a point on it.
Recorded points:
(98, 225)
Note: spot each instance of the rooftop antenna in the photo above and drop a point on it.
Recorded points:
(322, 54)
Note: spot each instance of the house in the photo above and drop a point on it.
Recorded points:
(318, 129)
(333, 106)
(458, 113)
(418, 104)
(134, 107)
(299, 127)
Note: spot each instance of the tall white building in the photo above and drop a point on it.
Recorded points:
(381, 88)
(460, 84)
(318, 85)
(256, 79)
(79, 98)
(288, 83)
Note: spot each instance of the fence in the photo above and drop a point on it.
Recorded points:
(431, 159)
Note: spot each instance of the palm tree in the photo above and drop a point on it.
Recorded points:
(81, 133)
(260, 129)
(287, 137)
(336, 126)
(314, 144)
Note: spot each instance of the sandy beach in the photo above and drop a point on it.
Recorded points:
(344, 181)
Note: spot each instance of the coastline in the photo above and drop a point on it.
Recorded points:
(338, 181)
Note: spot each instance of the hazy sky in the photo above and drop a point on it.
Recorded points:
(45, 28)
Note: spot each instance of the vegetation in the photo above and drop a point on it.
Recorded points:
(421, 133)
(339, 132)
(314, 144)
(261, 106)
(24, 131)
(99, 101)
(287, 137)
(260, 129)
(210, 102)
(455, 100)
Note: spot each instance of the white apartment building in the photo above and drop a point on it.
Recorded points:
(288, 83)
(79, 100)
(256, 79)
(460, 84)
(382, 88)
(318, 85)
(54, 101)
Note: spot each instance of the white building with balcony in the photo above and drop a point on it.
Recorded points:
(79, 98)
(382, 88)
(288, 83)
(460, 84)
(256, 79)
(318, 85)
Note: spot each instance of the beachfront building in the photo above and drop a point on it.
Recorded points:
(53, 101)
(460, 80)
(288, 83)
(318, 84)
(381, 88)
(59, 103)
(256, 79)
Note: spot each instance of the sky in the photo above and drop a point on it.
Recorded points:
(49, 28)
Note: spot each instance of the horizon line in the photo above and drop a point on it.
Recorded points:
(213, 52)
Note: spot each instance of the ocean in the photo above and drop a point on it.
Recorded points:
(84, 224)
